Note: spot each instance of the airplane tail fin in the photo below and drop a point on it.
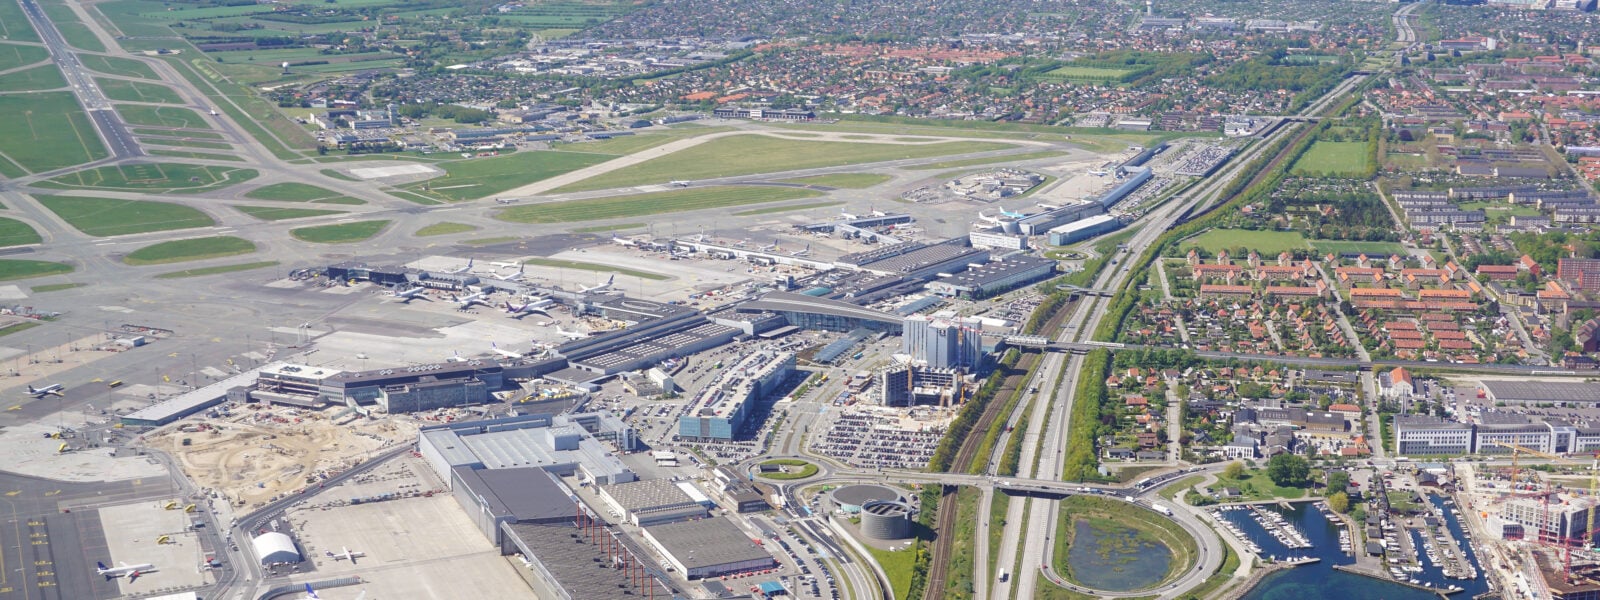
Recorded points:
(97, 563)
(312, 594)
(34, 391)
(610, 279)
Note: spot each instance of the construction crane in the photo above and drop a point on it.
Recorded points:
(1566, 542)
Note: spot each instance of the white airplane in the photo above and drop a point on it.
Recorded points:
(769, 247)
(132, 571)
(53, 389)
(520, 273)
(411, 294)
(532, 306)
(468, 300)
(346, 555)
(622, 241)
(504, 265)
(680, 183)
(455, 357)
(462, 269)
(506, 353)
(848, 216)
(802, 252)
(598, 288)
(571, 335)
(988, 219)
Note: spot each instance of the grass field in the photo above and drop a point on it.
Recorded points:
(14, 25)
(752, 154)
(137, 91)
(795, 469)
(112, 65)
(1086, 74)
(47, 131)
(187, 135)
(638, 205)
(630, 144)
(588, 266)
(334, 173)
(17, 233)
(849, 181)
(193, 155)
(342, 233)
(155, 177)
(604, 228)
(1255, 485)
(42, 77)
(16, 55)
(55, 287)
(300, 192)
(217, 270)
(973, 162)
(279, 213)
(898, 566)
(479, 177)
(18, 327)
(1109, 513)
(1338, 159)
(22, 269)
(107, 216)
(190, 249)
(176, 143)
(786, 208)
(162, 116)
(444, 229)
(1367, 248)
(72, 29)
(1266, 243)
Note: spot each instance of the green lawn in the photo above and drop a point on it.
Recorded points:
(637, 205)
(588, 266)
(186, 135)
(1368, 248)
(56, 287)
(898, 566)
(1255, 485)
(154, 177)
(851, 181)
(805, 469)
(161, 116)
(112, 65)
(342, 233)
(1338, 159)
(1266, 243)
(444, 229)
(190, 249)
(279, 213)
(752, 154)
(1109, 513)
(22, 269)
(192, 155)
(47, 131)
(18, 327)
(14, 25)
(216, 270)
(479, 177)
(137, 91)
(300, 192)
(177, 143)
(42, 77)
(630, 144)
(786, 208)
(1183, 486)
(16, 55)
(972, 162)
(17, 233)
(107, 216)
(605, 228)
(1097, 75)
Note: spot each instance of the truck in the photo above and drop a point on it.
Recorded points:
(1162, 508)
(1003, 575)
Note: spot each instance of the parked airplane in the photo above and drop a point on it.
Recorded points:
(506, 353)
(1014, 215)
(769, 247)
(346, 555)
(53, 389)
(411, 294)
(468, 300)
(988, 219)
(598, 288)
(520, 273)
(572, 335)
(311, 594)
(848, 216)
(504, 265)
(622, 241)
(802, 252)
(680, 183)
(462, 269)
(132, 571)
(455, 357)
(532, 306)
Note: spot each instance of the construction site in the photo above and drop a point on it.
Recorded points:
(1536, 522)
(256, 454)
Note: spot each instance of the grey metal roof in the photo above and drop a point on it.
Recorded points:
(707, 542)
(527, 494)
(185, 404)
(1543, 391)
(647, 495)
(792, 302)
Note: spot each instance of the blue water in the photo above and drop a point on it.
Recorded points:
(1319, 581)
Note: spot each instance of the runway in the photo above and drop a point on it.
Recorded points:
(119, 141)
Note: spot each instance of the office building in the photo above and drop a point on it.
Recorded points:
(942, 343)
(721, 409)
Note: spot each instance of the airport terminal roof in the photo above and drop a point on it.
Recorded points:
(528, 494)
(792, 302)
(1542, 391)
(183, 405)
(707, 542)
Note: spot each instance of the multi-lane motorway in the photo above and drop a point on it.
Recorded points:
(106, 120)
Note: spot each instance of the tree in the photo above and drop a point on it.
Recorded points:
(1234, 470)
(1339, 502)
(1288, 470)
(1338, 482)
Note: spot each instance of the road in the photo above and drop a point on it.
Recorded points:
(106, 120)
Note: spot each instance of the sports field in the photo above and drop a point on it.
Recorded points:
(109, 216)
(190, 249)
(112, 65)
(154, 176)
(47, 131)
(137, 91)
(342, 233)
(17, 233)
(279, 213)
(1087, 74)
(1265, 243)
(637, 205)
(1338, 159)
(300, 192)
(161, 116)
(479, 177)
(751, 154)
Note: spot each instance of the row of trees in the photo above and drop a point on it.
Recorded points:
(967, 418)
(1086, 421)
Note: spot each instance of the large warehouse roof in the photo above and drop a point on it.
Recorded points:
(792, 302)
(188, 403)
(273, 548)
(707, 542)
(1542, 391)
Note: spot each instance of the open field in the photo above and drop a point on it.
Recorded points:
(154, 177)
(190, 249)
(1367, 248)
(42, 77)
(279, 213)
(1078, 74)
(605, 228)
(972, 162)
(1255, 485)
(444, 229)
(1267, 243)
(587, 266)
(55, 287)
(752, 154)
(137, 91)
(162, 116)
(851, 181)
(14, 25)
(1338, 159)
(786, 208)
(300, 192)
(898, 565)
(112, 65)
(637, 205)
(17, 233)
(187, 135)
(201, 272)
(16, 55)
(342, 233)
(107, 216)
(479, 177)
(72, 29)
(176, 143)
(193, 155)
(629, 144)
(47, 131)
(22, 269)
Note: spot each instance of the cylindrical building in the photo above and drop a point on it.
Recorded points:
(886, 520)
(849, 499)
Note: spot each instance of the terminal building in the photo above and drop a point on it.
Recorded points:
(916, 260)
(998, 277)
(811, 312)
(397, 390)
(1078, 231)
(721, 409)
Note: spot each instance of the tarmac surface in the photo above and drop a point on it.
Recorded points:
(51, 536)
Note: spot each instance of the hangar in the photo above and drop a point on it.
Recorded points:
(275, 548)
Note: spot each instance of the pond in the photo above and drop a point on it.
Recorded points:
(1109, 556)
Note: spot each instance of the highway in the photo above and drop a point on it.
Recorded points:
(119, 141)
